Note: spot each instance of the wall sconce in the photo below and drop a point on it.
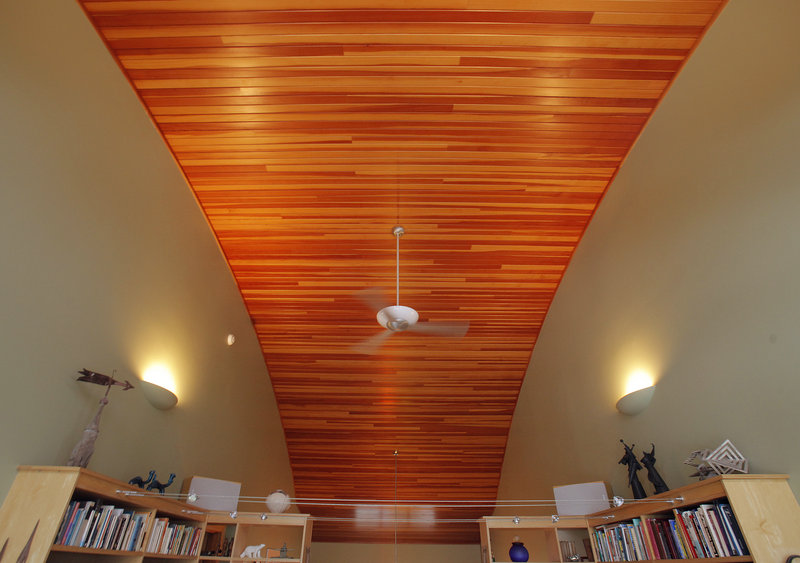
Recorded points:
(639, 393)
(158, 387)
(635, 401)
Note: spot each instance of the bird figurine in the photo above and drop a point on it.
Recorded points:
(156, 484)
(140, 482)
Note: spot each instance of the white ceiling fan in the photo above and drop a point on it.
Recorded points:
(399, 318)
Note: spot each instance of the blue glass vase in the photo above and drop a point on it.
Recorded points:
(518, 552)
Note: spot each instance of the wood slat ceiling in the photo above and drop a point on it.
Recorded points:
(488, 129)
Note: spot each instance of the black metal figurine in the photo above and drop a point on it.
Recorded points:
(629, 459)
(141, 482)
(158, 485)
(649, 461)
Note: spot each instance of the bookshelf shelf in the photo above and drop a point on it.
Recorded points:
(275, 530)
(545, 540)
(92, 551)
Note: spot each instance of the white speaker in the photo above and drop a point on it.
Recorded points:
(213, 494)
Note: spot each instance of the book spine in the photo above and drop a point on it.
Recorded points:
(735, 529)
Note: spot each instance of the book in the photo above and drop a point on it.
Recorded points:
(119, 533)
(683, 532)
(722, 530)
(67, 521)
(99, 527)
(679, 548)
(653, 535)
(143, 532)
(705, 533)
(166, 538)
(698, 550)
(132, 543)
(638, 540)
(669, 542)
(719, 543)
(661, 537)
(736, 532)
(111, 528)
(86, 526)
(75, 526)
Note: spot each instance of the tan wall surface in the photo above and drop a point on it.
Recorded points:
(406, 553)
(690, 268)
(108, 264)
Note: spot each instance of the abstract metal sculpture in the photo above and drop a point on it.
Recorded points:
(629, 459)
(649, 461)
(84, 449)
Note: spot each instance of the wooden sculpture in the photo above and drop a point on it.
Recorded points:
(84, 449)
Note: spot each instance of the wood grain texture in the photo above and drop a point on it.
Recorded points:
(490, 130)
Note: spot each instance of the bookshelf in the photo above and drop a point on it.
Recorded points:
(762, 517)
(761, 523)
(66, 514)
(227, 537)
(545, 540)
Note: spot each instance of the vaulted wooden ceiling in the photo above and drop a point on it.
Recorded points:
(489, 129)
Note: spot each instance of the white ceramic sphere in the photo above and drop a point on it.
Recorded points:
(278, 501)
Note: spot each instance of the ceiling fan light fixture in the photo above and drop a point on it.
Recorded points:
(397, 317)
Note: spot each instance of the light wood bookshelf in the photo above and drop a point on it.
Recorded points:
(763, 505)
(541, 536)
(40, 497)
(273, 530)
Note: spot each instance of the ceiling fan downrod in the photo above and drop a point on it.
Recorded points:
(397, 317)
(397, 231)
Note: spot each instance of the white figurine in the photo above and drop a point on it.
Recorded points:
(252, 551)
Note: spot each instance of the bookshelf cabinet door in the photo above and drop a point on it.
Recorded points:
(33, 511)
(768, 515)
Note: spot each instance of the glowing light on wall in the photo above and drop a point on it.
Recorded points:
(639, 391)
(638, 379)
(158, 386)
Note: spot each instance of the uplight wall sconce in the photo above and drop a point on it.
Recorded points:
(158, 387)
(639, 393)
(636, 401)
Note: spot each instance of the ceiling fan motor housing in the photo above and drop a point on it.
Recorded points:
(397, 317)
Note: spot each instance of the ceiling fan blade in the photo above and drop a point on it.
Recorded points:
(370, 345)
(373, 297)
(454, 329)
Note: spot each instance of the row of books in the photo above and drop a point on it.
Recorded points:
(171, 538)
(102, 526)
(709, 530)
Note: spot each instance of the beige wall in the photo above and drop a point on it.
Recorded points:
(374, 553)
(690, 268)
(108, 264)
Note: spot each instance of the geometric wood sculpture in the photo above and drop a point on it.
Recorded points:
(727, 459)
